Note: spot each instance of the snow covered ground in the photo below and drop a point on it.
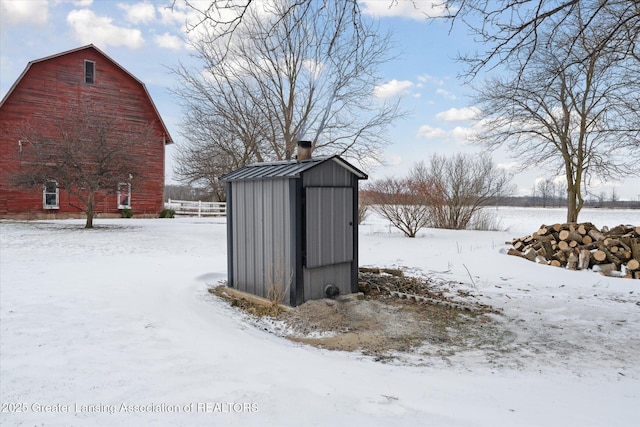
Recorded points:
(114, 326)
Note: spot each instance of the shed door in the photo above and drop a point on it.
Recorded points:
(329, 223)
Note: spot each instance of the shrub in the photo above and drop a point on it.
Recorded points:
(404, 202)
(167, 213)
(485, 220)
(278, 285)
(126, 213)
(363, 209)
(464, 184)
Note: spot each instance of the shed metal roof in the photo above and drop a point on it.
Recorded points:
(286, 169)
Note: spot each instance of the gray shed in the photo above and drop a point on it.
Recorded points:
(292, 228)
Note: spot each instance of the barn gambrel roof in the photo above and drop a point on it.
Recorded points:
(169, 140)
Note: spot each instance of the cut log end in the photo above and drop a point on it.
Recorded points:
(599, 256)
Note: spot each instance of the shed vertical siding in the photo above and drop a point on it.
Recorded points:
(328, 174)
(316, 279)
(296, 221)
(329, 225)
(261, 234)
(330, 230)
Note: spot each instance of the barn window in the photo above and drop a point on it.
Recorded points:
(89, 71)
(124, 195)
(50, 195)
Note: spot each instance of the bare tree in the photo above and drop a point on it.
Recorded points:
(227, 18)
(464, 184)
(87, 154)
(406, 202)
(614, 197)
(511, 30)
(561, 194)
(200, 163)
(546, 190)
(300, 70)
(576, 110)
(508, 29)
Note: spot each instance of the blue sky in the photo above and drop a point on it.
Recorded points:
(147, 38)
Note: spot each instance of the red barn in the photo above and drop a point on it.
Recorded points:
(52, 89)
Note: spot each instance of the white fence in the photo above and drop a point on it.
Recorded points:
(199, 208)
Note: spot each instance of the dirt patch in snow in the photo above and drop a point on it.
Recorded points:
(393, 314)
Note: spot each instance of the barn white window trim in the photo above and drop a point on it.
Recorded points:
(89, 72)
(51, 195)
(124, 195)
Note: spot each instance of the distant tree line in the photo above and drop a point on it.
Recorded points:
(537, 201)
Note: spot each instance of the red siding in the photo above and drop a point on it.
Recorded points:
(54, 87)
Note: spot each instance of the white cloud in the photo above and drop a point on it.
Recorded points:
(314, 68)
(175, 15)
(509, 166)
(426, 78)
(392, 89)
(169, 41)
(462, 135)
(76, 3)
(560, 180)
(371, 160)
(180, 17)
(139, 13)
(20, 12)
(99, 30)
(429, 132)
(458, 115)
(393, 160)
(419, 10)
(446, 94)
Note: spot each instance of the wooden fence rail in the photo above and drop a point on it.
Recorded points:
(199, 208)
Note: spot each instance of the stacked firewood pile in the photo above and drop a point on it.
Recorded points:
(611, 251)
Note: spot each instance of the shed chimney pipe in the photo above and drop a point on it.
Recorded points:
(304, 150)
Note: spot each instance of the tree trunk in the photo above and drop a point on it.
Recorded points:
(572, 205)
(572, 214)
(90, 211)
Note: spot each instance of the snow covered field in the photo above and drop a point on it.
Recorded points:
(114, 326)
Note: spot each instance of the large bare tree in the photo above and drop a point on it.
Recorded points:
(576, 109)
(226, 17)
(292, 71)
(515, 31)
(88, 154)
(508, 30)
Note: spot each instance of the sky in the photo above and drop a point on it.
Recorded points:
(148, 39)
